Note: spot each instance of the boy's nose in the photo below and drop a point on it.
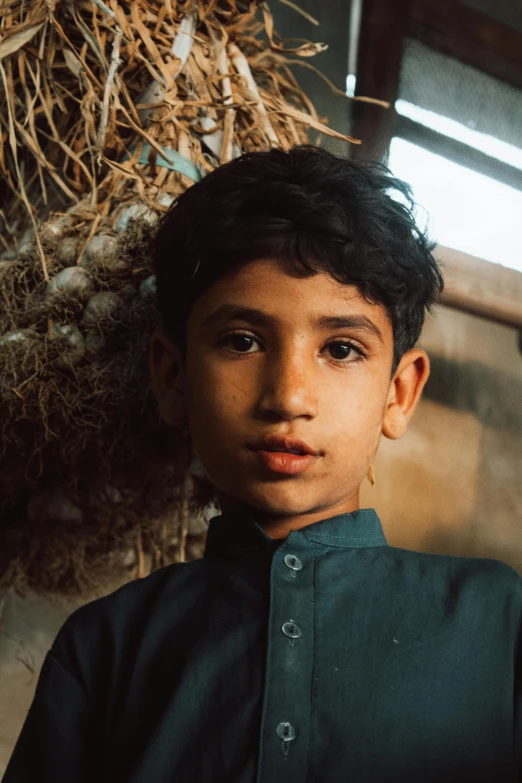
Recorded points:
(289, 392)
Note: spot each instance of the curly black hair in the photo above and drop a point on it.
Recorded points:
(312, 211)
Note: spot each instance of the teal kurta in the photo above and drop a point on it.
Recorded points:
(325, 657)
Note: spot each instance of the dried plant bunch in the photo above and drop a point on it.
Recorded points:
(108, 112)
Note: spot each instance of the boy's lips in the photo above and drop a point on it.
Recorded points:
(274, 452)
(282, 443)
(283, 462)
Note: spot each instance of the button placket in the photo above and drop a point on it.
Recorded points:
(284, 730)
(286, 720)
(290, 628)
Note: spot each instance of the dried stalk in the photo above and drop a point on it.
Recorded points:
(230, 114)
(115, 64)
(300, 11)
(241, 64)
(179, 60)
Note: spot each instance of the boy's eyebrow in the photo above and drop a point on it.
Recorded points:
(228, 312)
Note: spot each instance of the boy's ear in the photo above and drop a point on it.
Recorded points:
(405, 390)
(168, 377)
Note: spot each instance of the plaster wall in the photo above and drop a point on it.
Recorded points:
(452, 484)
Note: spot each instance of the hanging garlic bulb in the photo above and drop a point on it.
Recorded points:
(54, 229)
(104, 495)
(67, 251)
(53, 504)
(100, 250)
(12, 338)
(128, 558)
(95, 344)
(74, 345)
(148, 287)
(101, 307)
(16, 341)
(139, 212)
(73, 281)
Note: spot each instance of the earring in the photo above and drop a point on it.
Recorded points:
(371, 475)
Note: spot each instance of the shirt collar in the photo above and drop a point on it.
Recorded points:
(235, 533)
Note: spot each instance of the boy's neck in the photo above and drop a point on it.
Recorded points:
(279, 526)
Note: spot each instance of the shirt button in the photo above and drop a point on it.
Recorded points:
(285, 731)
(291, 629)
(293, 562)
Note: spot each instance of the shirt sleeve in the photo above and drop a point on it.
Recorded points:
(58, 740)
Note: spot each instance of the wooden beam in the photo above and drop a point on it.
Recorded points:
(469, 36)
(383, 27)
(457, 151)
(480, 287)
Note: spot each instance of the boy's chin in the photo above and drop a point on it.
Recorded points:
(274, 501)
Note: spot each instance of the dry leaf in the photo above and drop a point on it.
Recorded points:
(72, 61)
(16, 41)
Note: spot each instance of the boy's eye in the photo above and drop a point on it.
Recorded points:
(238, 341)
(343, 348)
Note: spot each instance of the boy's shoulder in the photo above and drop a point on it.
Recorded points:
(486, 572)
(111, 617)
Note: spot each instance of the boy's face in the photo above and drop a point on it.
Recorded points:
(330, 387)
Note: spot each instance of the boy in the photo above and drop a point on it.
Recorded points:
(302, 648)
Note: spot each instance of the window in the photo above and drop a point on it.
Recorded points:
(467, 210)
(458, 142)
